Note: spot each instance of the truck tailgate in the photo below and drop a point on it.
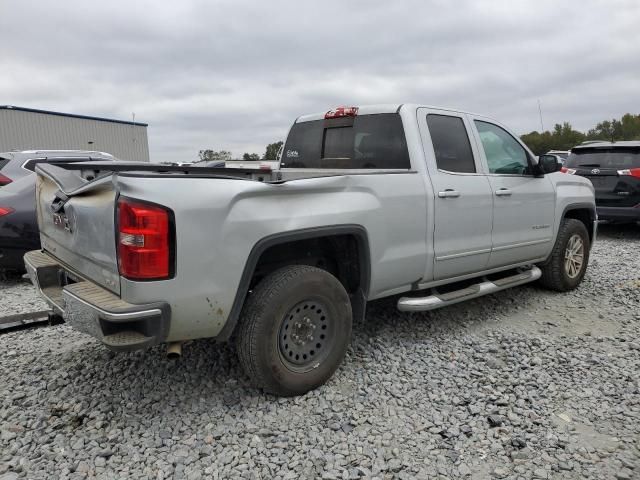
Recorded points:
(76, 218)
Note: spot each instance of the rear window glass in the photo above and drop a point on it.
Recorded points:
(619, 158)
(366, 141)
(451, 144)
(3, 162)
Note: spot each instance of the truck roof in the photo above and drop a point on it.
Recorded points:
(379, 108)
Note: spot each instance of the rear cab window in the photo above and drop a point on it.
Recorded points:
(451, 144)
(618, 158)
(361, 142)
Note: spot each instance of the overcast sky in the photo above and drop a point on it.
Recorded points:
(234, 75)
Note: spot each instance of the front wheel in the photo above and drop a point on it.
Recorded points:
(567, 265)
(295, 330)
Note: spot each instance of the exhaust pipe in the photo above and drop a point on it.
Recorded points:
(174, 350)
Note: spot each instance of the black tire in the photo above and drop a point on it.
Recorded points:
(555, 274)
(276, 326)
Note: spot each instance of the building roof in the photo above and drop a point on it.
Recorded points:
(71, 115)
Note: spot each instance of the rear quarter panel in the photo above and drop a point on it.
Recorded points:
(219, 221)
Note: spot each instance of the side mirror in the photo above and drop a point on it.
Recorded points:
(548, 163)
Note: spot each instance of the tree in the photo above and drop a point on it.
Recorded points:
(251, 157)
(272, 151)
(563, 137)
(212, 155)
(627, 128)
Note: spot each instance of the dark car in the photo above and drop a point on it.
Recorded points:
(18, 223)
(614, 171)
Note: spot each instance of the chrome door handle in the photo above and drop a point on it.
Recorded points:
(503, 192)
(449, 193)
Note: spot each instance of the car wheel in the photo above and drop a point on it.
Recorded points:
(295, 330)
(567, 265)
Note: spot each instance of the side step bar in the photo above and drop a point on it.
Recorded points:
(484, 287)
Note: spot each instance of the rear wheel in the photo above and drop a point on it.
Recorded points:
(295, 330)
(567, 265)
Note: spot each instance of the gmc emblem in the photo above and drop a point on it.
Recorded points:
(62, 222)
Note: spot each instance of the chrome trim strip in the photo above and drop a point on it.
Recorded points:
(523, 244)
(463, 254)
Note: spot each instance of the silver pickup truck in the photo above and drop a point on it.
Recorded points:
(431, 205)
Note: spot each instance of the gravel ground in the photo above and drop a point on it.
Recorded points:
(524, 384)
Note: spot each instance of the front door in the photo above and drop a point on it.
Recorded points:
(523, 205)
(462, 195)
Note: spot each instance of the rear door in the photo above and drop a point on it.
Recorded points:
(462, 194)
(523, 205)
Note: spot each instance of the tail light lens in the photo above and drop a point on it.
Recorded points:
(634, 172)
(145, 240)
(570, 171)
(5, 211)
(4, 180)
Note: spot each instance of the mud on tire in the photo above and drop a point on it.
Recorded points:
(295, 330)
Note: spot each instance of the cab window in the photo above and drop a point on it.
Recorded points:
(451, 144)
(366, 141)
(504, 154)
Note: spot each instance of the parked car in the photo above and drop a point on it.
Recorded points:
(614, 171)
(18, 222)
(561, 155)
(18, 164)
(559, 160)
(439, 205)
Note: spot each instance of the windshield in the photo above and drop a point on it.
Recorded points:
(366, 141)
(618, 158)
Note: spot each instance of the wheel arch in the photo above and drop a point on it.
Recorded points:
(326, 234)
(585, 213)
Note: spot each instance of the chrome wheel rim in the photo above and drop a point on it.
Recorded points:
(574, 256)
(306, 335)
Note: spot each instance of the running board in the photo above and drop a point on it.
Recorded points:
(438, 300)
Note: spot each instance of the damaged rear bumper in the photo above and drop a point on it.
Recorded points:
(91, 309)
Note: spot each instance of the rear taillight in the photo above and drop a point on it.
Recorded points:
(5, 211)
(144, 240)
(633, 172)
(4, 180)
(570, 171)
(342, 112)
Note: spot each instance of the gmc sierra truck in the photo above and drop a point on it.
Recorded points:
(432, 205)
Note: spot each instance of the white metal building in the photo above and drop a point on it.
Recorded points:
(31, 129)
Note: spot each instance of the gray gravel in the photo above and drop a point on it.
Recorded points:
(17, 296)
(524, 384)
